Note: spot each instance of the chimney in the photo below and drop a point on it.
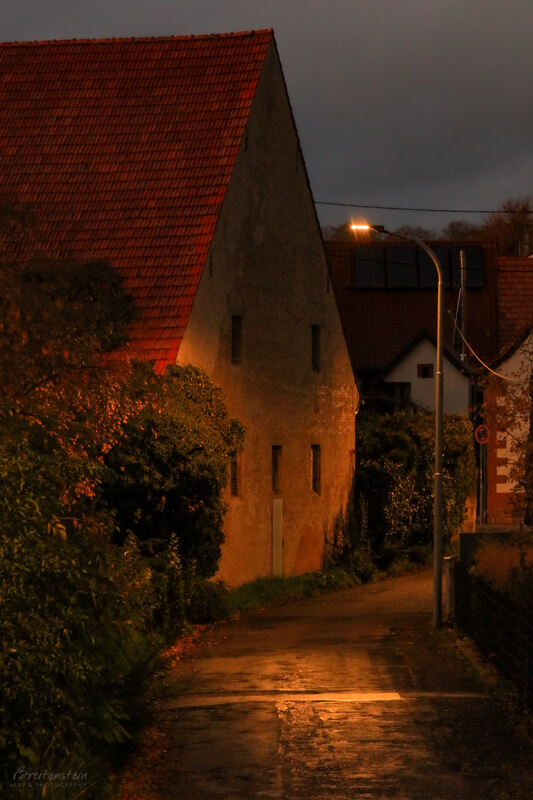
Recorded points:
(523, 244)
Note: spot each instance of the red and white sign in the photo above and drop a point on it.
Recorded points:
(482, 434)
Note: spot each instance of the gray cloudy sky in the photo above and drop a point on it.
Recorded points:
(423, 103)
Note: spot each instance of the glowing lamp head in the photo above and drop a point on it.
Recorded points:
(365, 228)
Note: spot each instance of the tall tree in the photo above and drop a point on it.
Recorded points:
(462, 230)
(58, 318)
(509, 226)
(415, 231)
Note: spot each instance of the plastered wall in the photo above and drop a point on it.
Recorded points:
(267, 266)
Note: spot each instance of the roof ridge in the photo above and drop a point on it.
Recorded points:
(114, 39)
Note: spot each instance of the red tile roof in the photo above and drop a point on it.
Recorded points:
(126, 147)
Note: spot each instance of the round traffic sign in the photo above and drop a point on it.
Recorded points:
(482, 434)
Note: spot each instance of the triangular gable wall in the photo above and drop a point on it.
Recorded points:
(267, 266)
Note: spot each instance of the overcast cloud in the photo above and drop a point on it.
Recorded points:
(418, 103)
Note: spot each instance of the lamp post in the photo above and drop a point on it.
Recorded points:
(437, 497)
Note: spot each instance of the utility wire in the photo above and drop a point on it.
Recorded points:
(498, 374)
(432, 210)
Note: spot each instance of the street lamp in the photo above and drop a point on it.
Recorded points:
(437, 498)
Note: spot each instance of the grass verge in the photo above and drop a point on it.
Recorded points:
(264, 592)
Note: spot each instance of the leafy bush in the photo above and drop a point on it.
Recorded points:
(390, 512)
(351, 548)
(110, 510)
(166, 474)
(68, 647)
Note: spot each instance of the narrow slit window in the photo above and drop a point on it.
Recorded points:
(316, 467)
(276, 459)
(236, 340)
(234, 476)
(316, 347)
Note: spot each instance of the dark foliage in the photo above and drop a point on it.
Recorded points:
(390, 514)
(85, 604)
(166, 474)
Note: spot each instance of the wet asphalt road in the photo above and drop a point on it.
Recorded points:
(348, 695)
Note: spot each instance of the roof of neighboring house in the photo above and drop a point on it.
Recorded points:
(449, 354)
(513, 347)
(125, 147)
(381, 323)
